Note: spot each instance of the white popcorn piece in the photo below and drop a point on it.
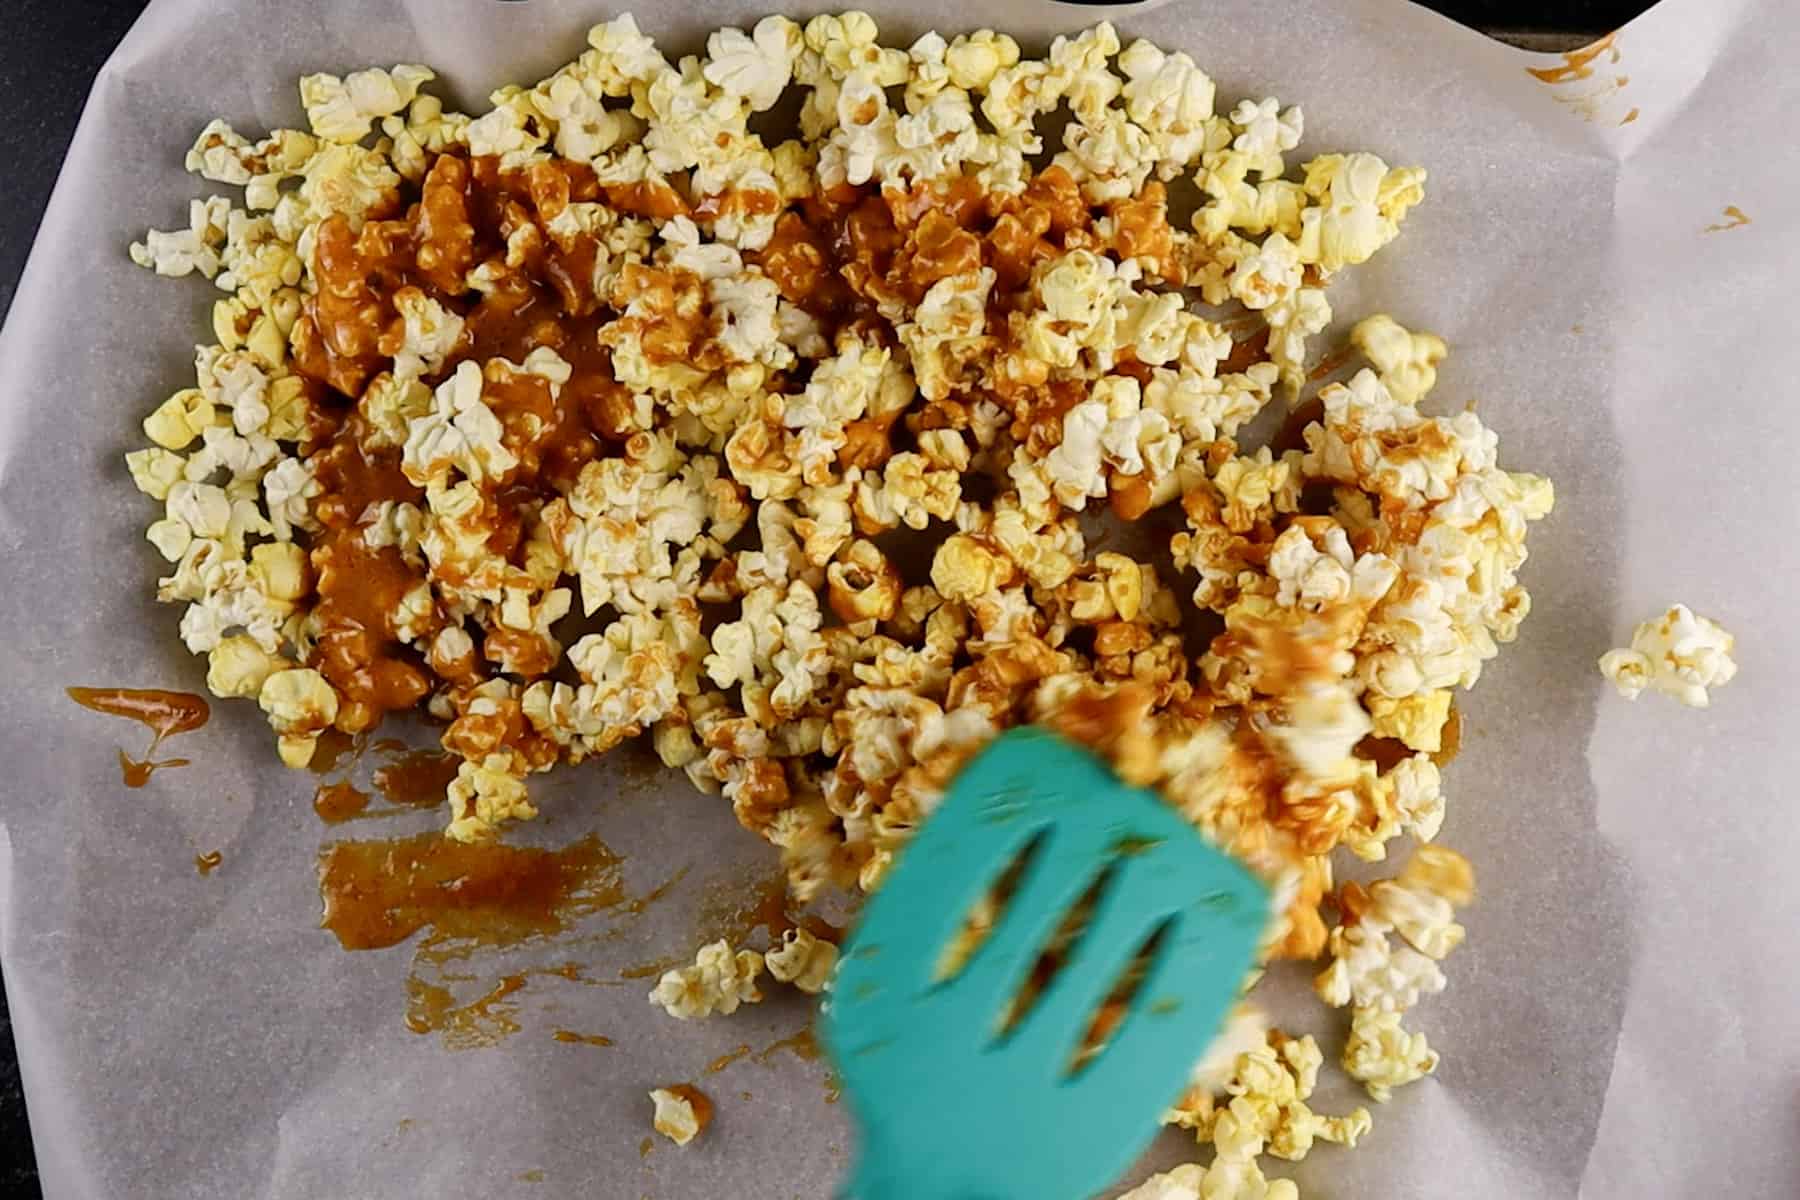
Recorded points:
(719, 980)
(1383, 1056)
(344, 110)
(755, 65)
(1678, 654)
(804, 960)
(301, 705)
(181, 252)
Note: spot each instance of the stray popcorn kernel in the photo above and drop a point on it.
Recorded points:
(1678, 654)
(600, 415)
(682, 1111)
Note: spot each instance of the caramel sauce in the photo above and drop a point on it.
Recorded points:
(735, 914)
(333, 749)
(583, 1039)
(339, 802)
(137, 772)
(1246, 353)
(802, 1045)
(204, 863)
(164, 713)
(1329, 365)
(1292, 434)
(1577, 64)
(416, 778)
(484, 1021)
(649, 969)
(725, 1060)
(380, 893)
(1734, 216)
(645, 1147)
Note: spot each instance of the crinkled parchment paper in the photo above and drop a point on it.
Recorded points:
(1622, 1021)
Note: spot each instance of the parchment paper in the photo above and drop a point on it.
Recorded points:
(1621, 1021)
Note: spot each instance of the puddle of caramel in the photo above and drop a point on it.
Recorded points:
(164, 713)
(204, 863)
(645, 1147)
(532, 1176)
(333, 749)
(1577, 64)
(583, 1039)
(410, 779)
(725, 1060)
(339, 802)
(415, 778)
(379, 893)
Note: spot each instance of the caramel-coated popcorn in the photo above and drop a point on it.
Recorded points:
(602, 415)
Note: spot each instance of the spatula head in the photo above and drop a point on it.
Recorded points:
(953, 1102)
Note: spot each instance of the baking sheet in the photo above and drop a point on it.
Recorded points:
(1621, 1021)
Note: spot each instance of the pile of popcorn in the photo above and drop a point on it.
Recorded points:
(600, 415)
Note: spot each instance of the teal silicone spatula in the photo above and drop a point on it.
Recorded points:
(951, 1101)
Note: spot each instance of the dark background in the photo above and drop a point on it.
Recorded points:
(49, 52)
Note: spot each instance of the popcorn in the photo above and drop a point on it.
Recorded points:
(1678, 654)
(401, 466)
(343, 110)
(719, 980)
(301, 706)
(460, 432)
(184, 251)
(1382, 1056)
(757, 65)
(1406, 362)
(681, 1113)
(804, 960)
(485, 794)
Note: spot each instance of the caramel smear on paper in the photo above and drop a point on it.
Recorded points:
(408, 780)
(379, 893)
(1581, 84)
(1734, 219)
(467, 900)
(1578, 64)
(164, 713)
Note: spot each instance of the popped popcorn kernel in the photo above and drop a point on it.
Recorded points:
(681, 1112)
(804, 960)
(719, 980)
(1678, 654)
